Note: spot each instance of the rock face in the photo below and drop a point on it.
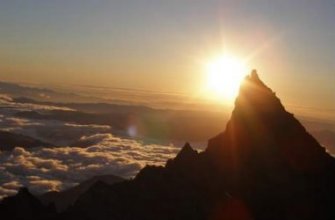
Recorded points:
(63, 200)
(261, 128)
(25, 206)
(268, 158)
(263, 166)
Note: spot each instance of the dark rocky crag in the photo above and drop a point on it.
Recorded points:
(25, 206)
(263, 166)
(62, 200)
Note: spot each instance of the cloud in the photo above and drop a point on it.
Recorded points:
(5, 98)
(4, 192)
(50, 131)
(7, 102)
(45, 169)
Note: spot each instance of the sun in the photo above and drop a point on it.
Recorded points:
(224, 75)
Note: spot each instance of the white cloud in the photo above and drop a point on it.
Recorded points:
(44, 169)
(4, 192)
(51, 131)
(7, 101)
(5, 98)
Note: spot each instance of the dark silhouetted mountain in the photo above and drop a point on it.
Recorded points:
(10, 140)
(66, 198)
(269, 159)
(327, 139)
(24, 206)
(263, 166)
(261, 128)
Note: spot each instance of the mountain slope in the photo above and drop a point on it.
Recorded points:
(268, 158)
(62, 200)
(24, 206)
(261, 127)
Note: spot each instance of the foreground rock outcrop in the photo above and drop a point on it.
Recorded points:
(263, 166)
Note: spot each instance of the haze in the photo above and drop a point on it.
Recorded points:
(161, 45)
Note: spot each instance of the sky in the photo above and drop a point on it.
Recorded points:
(162, 45)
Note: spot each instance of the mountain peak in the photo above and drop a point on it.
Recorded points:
(261, 131)
(254, 74)
(24, 206)
(255, 97)
(185, 156)
(253, 77)
(187, 151)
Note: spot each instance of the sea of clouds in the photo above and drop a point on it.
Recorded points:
(44, 169)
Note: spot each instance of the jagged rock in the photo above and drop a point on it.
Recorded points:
(66, 198)
(25, 206)
(262, 131)
(186, 153)
(268, 157)
(186, 156)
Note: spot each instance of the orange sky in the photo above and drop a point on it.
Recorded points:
(162, 47)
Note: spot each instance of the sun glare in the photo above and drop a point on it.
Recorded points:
(224, 75)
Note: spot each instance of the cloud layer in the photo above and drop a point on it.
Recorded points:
(45, 169)
(50, 131)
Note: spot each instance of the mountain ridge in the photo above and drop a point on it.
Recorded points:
(64, 199)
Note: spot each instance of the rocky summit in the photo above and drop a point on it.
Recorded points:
(264, 166)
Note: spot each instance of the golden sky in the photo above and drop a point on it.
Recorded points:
(163, 45)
